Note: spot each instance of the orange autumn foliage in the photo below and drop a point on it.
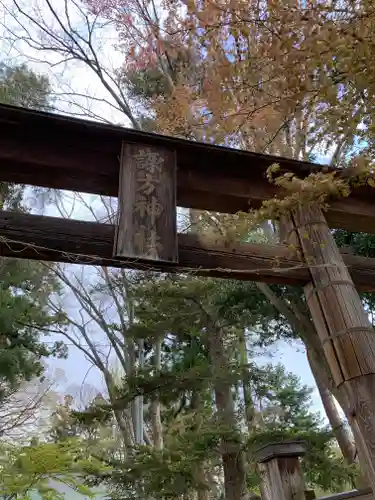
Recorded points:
(281, 77)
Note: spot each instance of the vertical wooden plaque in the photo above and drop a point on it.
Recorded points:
(147, 218)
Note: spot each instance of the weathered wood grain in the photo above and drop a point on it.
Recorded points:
(54, 239)
(77, 155)
(347, 337)
(363, 494)
(147, 218)
(289, 235)
(280, 469)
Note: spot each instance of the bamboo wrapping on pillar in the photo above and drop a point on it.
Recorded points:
(346, 325)
(321, 328)
(347, 337)
(328, 348)
(147, 218)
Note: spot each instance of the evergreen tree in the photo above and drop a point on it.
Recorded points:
(20, 86)
(28, 470)
(235, 97)
(197, 426)
(25, 286)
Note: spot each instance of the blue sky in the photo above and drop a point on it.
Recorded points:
(77, 369)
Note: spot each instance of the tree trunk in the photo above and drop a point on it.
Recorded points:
(248, 400)
(123, 416)
(157, 428)
(203, 492)
(232, 456)
(339, 427)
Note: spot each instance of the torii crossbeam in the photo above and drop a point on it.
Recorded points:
(49, 150)
(60, 152)
(151, 175)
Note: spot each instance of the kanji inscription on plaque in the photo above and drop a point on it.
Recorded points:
(147, 204)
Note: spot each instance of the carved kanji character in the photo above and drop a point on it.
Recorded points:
(155, 208)
(150, 207)
(140, 206)
(154, 245)
(147, 184)
(149, 160)
(140, 239)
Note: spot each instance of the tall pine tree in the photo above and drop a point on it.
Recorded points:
(25, 286)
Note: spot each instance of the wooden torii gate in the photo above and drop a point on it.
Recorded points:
(152, 175)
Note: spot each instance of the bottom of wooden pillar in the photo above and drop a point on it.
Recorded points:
(361, 396)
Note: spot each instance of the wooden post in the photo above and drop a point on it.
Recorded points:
(147, 219)
(279, 466)
(345, 332)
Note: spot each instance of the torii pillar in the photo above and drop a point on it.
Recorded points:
(346, 334)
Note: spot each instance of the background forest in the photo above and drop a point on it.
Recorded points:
(186, 396)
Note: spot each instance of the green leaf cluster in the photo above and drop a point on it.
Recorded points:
(25, 286)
